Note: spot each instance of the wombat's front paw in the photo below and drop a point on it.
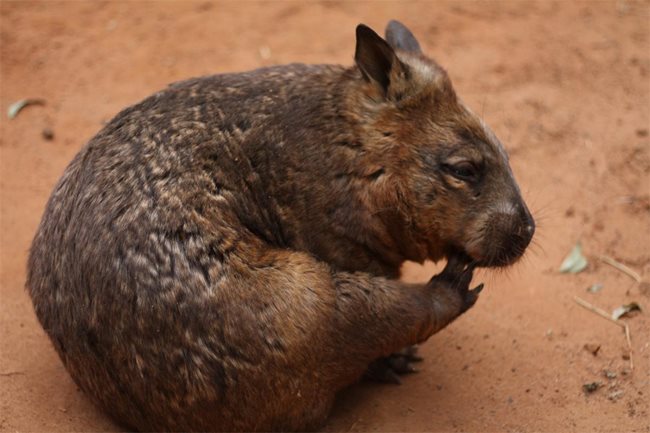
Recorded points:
(456, 277)
(389, 368)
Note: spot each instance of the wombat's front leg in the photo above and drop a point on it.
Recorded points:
(387, 315)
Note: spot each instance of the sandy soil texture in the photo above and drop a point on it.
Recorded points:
(565, 85)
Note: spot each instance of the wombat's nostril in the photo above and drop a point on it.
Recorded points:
(527, 220)
(529, 230)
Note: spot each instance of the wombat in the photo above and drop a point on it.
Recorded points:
(224, 255)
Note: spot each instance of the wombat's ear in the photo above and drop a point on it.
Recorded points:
(375, 57)
(401, 38)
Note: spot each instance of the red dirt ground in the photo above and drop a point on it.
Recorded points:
(565, 85)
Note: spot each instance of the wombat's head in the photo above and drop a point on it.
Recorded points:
(440, 165)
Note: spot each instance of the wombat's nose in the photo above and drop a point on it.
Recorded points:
(508, 235)
(530, 229)
(528, 224)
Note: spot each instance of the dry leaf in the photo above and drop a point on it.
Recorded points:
(574, 262)
(624, 310)
(15, 108)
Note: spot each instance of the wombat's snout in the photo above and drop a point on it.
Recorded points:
(508, 234)
(529, 225)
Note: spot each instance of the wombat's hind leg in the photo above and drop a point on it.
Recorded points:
(389, 368)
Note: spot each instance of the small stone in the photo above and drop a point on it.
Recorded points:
(591, 387)
(592, 348)
(615, 395)
(644, 288)
(265, 52)
(47, 133)
(609, 374)
(642, 132)
(622, 8)
(595, 288)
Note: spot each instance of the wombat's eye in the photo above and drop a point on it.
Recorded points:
(463, 170)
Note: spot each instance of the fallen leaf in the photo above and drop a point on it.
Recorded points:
(15, 108)
(574, 262)
(624, 310)
(595, 288)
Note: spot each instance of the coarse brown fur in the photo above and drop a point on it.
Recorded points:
(224, 254)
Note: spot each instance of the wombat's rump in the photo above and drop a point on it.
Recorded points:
(224, 254)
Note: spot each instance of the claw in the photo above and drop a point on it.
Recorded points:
(471, 296)
(410, 353)
(391, 377)
(415, 358)
(466, 277)
(380, 371)
(388, 369)
(400, 364)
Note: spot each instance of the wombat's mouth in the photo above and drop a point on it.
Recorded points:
(467, 258)
(462, 256)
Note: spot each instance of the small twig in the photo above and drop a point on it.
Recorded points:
(604, 315)
(629, 345)
(621, 267)
(598, 311)
(12, 373)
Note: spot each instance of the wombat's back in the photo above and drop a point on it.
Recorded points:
(131, 270)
